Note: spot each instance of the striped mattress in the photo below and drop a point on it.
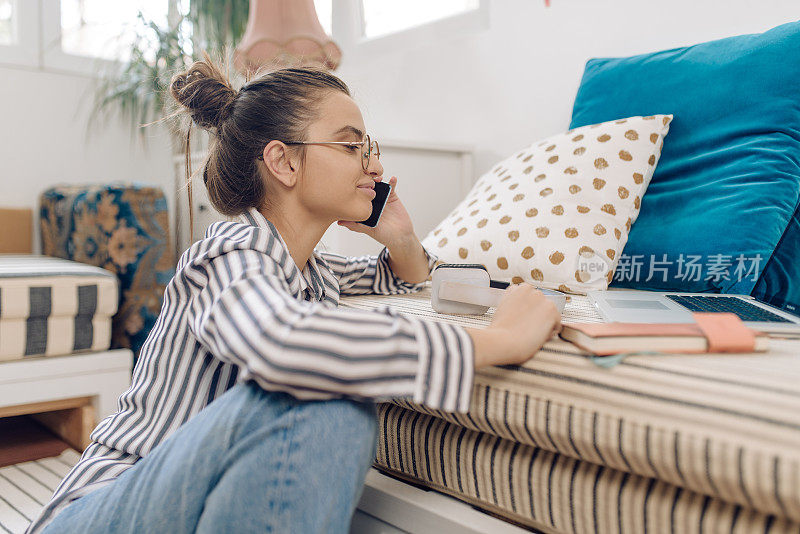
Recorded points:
(657, 443)
(50, 306)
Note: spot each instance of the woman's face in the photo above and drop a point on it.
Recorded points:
(331, 174)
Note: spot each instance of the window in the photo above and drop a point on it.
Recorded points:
(371, 29)
(85, 36)
(87, 32)
(82, 36)
(7, 24)
(325, 14)
(383, 17)
(99, 28)
(19, 27)
(106, 29)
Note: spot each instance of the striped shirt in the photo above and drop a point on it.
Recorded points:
(237, 309)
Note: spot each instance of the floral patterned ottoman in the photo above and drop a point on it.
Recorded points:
(122, 227)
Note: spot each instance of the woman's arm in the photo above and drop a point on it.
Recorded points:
(364, 275)
(410, 261)
(244, 315)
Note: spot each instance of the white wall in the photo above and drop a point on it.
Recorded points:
(43, 141)
(505, 87)
(498, 89)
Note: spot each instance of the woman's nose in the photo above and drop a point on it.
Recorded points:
(374, 168)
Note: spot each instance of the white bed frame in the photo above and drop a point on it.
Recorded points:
(103, 376)
(389, 506)
(69, 394)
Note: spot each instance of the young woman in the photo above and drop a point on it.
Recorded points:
(252, 404)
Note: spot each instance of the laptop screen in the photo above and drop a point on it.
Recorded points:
(778, 284)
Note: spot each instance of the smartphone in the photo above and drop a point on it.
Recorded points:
(382, 191)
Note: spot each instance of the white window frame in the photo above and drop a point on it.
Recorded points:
(348, 26)
(25, 51)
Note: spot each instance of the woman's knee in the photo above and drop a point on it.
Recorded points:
(344, 430)
(351, 422)
(332, 450)
(340, 423)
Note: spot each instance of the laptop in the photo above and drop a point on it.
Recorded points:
(636, 306)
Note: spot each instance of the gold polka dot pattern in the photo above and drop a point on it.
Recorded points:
(551, 211)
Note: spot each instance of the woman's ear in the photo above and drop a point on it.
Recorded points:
(278, 160)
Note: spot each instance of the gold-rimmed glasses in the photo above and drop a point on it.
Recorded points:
(368, 148)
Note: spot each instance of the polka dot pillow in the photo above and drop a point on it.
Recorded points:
(557, 214)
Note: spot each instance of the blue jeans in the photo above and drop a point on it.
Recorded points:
(251, 461)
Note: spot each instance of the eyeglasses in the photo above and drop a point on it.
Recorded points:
(368, 148)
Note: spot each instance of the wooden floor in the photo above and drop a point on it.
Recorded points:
(26, 487)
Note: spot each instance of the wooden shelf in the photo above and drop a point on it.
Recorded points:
(62, 396)
(69, 421)
(25, 440)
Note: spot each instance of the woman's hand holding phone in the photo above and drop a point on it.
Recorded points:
(389, 223)
(382, 191)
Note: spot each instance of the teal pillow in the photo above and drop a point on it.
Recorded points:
(728, 180)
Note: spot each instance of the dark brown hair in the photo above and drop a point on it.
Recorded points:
(274, 104)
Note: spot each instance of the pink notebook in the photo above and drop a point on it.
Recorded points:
(713, 332)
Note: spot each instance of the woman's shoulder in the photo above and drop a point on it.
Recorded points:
(225, 237)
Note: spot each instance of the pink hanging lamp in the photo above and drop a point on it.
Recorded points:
(285, 33)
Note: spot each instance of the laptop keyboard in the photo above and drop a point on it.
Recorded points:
(745, 310)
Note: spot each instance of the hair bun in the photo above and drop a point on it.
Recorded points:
(205, 91)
